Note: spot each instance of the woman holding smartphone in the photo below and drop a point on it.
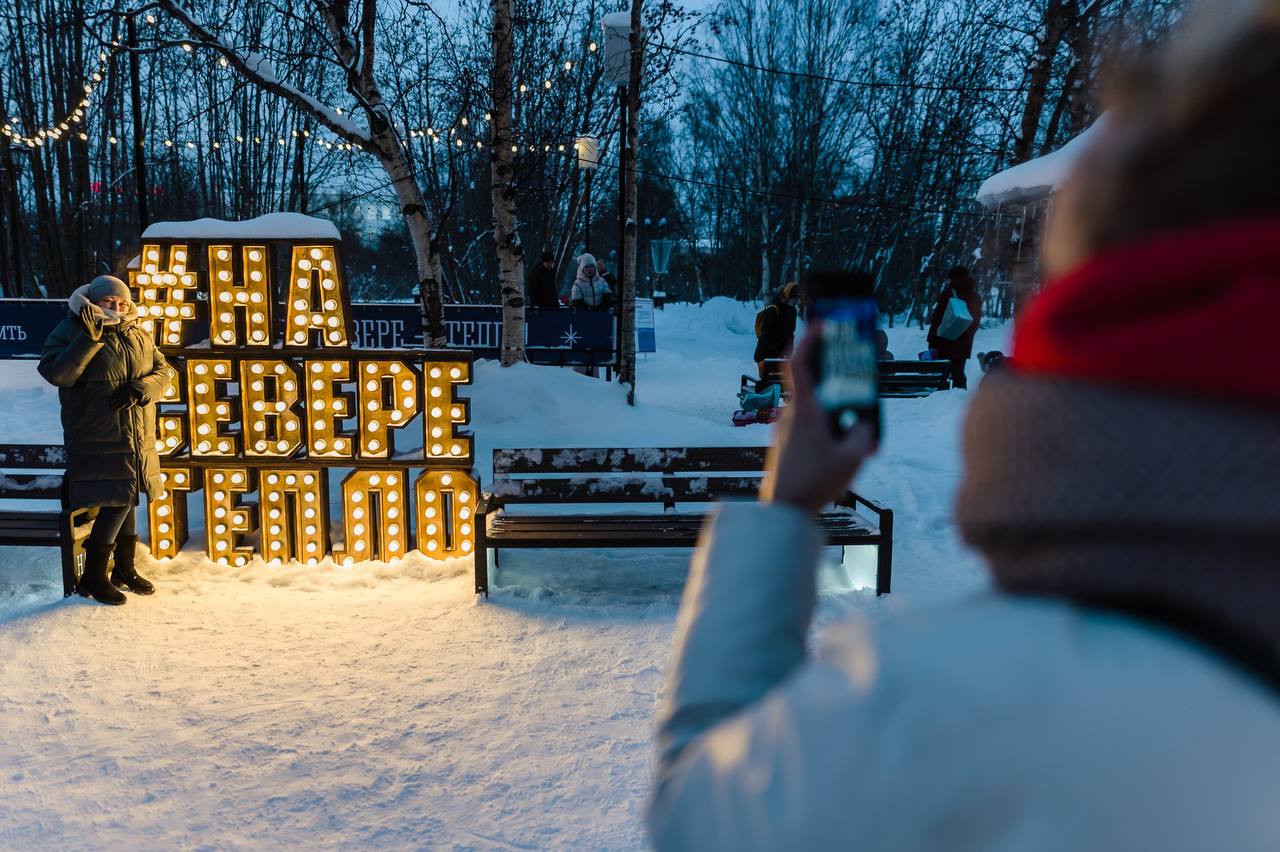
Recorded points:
(1119, 688)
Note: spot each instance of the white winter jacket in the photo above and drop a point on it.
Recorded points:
(1000, 723)
(590, 291)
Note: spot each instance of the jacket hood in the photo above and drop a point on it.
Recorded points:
(79, 300)
(583, 262)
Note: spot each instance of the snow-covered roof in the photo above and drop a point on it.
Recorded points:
(272, 226)
(1036, 179)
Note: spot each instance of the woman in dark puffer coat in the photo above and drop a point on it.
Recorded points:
(109, 376)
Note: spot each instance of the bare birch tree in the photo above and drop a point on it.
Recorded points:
(627, 369)
(502, 190)
(350, 35)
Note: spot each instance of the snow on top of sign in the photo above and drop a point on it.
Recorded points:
(1037, 178)
(272, 226)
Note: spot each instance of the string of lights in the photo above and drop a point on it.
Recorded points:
(939, 210)
(58, 128)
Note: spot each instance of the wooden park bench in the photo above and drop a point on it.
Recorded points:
(898, 379)
(52, 527)
(595, 478)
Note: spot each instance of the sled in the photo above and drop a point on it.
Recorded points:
(764, 415)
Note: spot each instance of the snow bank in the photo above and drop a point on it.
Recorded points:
(272, 226)
(378, 705)
(1037, 178)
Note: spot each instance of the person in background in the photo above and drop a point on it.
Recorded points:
(776, 326)
(109, 376)
(1119, 688)
(605, 274)
(960, 285)
(540, 285)
(882, 346)
(589, 291)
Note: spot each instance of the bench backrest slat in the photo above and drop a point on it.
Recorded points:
(28, 456)
(627, 489)
(517, 462)
(31, 486)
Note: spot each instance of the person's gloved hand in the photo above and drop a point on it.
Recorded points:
(92, 320)
(126, 396)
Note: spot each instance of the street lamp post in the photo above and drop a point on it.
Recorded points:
(588, 149)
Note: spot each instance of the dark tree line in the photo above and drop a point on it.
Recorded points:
(789, 134)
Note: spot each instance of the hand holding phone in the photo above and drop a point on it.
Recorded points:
(808, 465)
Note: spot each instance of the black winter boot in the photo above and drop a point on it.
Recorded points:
(123, 574)
(93, 582)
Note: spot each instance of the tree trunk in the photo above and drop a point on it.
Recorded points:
(502, 190)
(382, 139)
(1039, 72)
(627, 369)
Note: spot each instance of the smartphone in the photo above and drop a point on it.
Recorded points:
(846, 373)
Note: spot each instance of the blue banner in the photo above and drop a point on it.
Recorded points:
(562, 337)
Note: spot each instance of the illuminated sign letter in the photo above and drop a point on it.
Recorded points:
(445, 411)
(295, 515)
(162, 291)
(326, 407)
(225, 520)
(446, 508)
(250, 297)
(388, 400)
(268, 396)
(208, 410)
(317, 299)
(167, 514)
(374, 507)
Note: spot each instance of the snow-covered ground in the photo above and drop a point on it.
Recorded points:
(379, 705)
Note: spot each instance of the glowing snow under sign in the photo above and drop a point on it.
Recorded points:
(277, 398)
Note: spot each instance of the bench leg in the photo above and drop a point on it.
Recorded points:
(884, 554)
(71, 545)
(481, 558)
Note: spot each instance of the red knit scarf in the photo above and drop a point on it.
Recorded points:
(1194, 313)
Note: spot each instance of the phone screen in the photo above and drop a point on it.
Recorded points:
(846, 371)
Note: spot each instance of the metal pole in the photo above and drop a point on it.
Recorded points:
(622, 213)
(139, 149)
(586, 196)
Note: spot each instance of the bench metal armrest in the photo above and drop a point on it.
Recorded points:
(884, 552)
(851, 499)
